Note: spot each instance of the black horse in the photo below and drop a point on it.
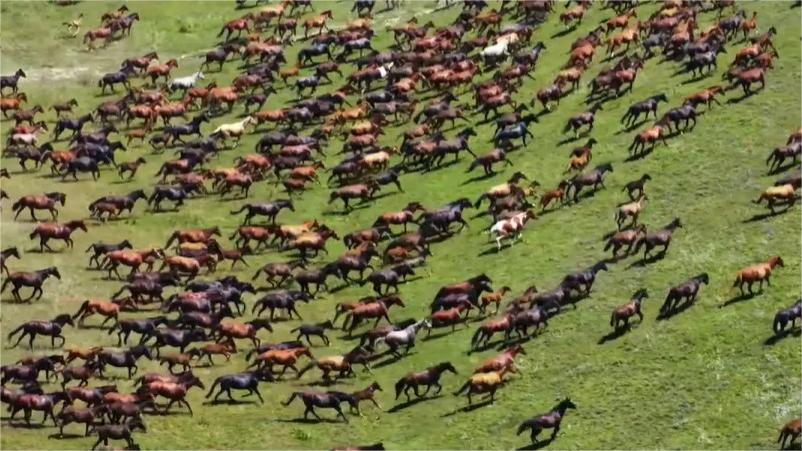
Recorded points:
(676, 115)
(175, 132)
(123, 203)
(118, 432)
(430, 377)
(241, 381)
(33, 279)
(269, 209)
(784, 316)
(125, 359)
(644, 107)
(389, 277)
(316, 330)
(326, 400)
(284, 300)
(100, 249)
(5, 255)
(115, 78)
(175, 194)
(145, 327)
(178, 338)
(553, 419)
(660, 238)
(687, 290)
(582, 281)
(81, 164)
(305, 55)
(50, 328)
(10, 81)
(75, 125)
(593, 178)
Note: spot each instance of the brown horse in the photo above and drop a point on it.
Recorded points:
(706, 96)
(505, 360)
(315, 241)
(429, 377)
(176, 392)
(33, 279)
(757, 273)
(131, 258)
(450, 317)
(155, 71)
(405, 216)
(284, 357)
(493, 298)
(85, 354)
(553, 419)
(50, 230)
(625, 238)
(46, 201)
(489, 328)
(108, 309)
(555, 194)
(785, 194)
(339, 363)
(622, 313)
(483, 383)
(246, 330)
(238, 25)
(378, 309)
(791, 430)
(318, 22)
(363, 191)
(193, 235)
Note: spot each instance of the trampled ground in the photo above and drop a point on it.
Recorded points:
(706, 378)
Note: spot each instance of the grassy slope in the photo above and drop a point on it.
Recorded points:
(703, 379)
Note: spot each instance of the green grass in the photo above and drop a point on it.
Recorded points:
(703, 379)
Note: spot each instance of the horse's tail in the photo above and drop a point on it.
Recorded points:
(609, 245)
(738, 280)
(400, 385)
(292, 398)
(90, 248)
(524, 426)
(612, 319)
(5, 284)
(567, 127)
(16, 205)
(81, 310)
(18, 329)
(172, 238)
(211, 389)
(236, 212)
(479, 200)
(292, 331)
(463, 388)
(222, 30)
(33, 234)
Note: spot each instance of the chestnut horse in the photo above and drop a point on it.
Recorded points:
(428, 377)
(50, 230)
(757, 273)
(505, 360)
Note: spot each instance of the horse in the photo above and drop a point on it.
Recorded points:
(318, 22)
(757, 273)
(783, 316)
(687, 290)
(33, 279)
(553, 419)
(46, 231)
(185, 83)
(154, 71)
(269, 209)
(685, 113)
(27, 402)
(118, 432)
(505, 360)
(378, 309)
(488, 329)
(405, 337)
(429, 377)
(235, 129)
(622, 313)
(777, 157)
(281, 300)
(125, 359)
(11, 81)
(660, 238)
(790, 430)
(343, 364)
(483, 383)
(506, 227)
(240, 381)
(145, 327)
(46, 201)
(521, 321)
(245, 330)
(175, 391)
(115, 78)
(778, 194)
(5, 255)
(330, 400)
(646, 106)
(50, 328)
(593, 178)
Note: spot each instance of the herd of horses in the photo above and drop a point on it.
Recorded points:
(201, 319)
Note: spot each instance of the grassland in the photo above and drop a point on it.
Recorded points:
(703, 379)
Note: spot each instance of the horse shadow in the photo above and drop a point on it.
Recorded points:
(640, 155)
(740, 298)
(615, 334)
(767, 215)
(66, 436)
(478, 178)
(488, 345)
(563, 32)
(469, 408)
(663, 315)
(228, 402)
(412, 402)
(537, 445)
(776, 338)
(631, 127)
(643, 262)
(310, 421)
(392, 359)
(437, 335)
(571, 139)
(736, 100)
(23, 425)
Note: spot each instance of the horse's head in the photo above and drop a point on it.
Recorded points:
(776, 261)
(76, 224)
(446, 366)
(53, 271)
(261, 323)
(140, 351)
(566, 404)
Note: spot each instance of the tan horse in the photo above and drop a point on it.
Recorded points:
(757, 273)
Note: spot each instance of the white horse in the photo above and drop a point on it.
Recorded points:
(404, 337)
(25, 138)
(185, 83)
(236, 129)
(496, 52)
(506, 227)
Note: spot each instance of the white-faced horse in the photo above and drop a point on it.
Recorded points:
(404, 337)
(185, 83)
(506, 227)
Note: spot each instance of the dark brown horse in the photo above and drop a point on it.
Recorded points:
(660, 238)
(50, 328)
(429, 377)
(46, 201)
(489, 328)
(5, 255)
(33, 279)
(551, 420)
(622, 313)
(50, 230)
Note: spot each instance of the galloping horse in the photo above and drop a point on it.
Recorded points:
(687, 290)
(33, 279)
(46, 201)
(547, 421)
(488, 329)
(428, 377)
(46, 231)
(483, 383)
(504, 360)
(757, 273)
(330, 400)
(48, 328)
(624, 312)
